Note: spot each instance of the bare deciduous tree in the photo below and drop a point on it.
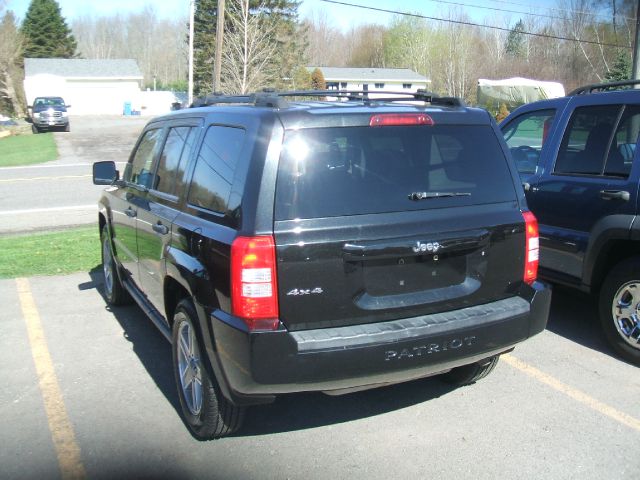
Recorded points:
(157, 45)
(247, 52)
(10, 55)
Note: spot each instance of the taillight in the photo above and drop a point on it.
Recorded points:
(254, 289)
(395, 119)
(532, 247)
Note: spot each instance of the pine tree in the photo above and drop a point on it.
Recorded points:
(317, 80)
(621, 69)
(204, 45)
(515, 40)
(45, 31)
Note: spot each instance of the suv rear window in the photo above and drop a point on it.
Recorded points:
(327, 172)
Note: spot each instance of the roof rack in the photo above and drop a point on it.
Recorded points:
(602, 87)
(274, 99)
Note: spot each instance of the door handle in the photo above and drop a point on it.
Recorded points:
(615, 195)
(529, 188)
(160, 228)
(130, 212)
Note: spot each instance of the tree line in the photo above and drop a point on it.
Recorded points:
(268, 45)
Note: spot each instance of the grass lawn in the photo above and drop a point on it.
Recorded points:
(57, 253)
(27, 149)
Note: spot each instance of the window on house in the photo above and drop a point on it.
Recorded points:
(406, 85)
(379, 85)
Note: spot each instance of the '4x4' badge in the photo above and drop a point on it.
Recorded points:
(305, 291)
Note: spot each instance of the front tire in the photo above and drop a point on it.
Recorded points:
(469, 374)
(114, 291)
(620, 309)
(205, 410)
(35, 129)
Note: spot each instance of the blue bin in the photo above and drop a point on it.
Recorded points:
(127, 108)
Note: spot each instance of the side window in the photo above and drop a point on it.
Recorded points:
(139, 171)
(623, 146)
(215, 167)
(173, 160)
(586, 142)
(525, 136)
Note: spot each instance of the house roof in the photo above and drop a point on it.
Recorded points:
(82, 68)
(371, 74)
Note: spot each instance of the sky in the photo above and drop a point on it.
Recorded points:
(340, 16)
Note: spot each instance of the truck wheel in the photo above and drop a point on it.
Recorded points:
(468, 374)
(205, 410)
(114, 291)
(620, 309)
(35, 129)
(67, 128)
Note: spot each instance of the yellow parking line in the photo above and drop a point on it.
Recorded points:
(60, 177)
(62, 434)
(573, 393)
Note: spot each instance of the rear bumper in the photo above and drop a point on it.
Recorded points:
(253, 367)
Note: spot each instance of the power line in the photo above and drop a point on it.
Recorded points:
(567, 10)
(471, 24)
(496, 9)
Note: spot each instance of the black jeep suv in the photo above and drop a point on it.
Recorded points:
(286, 244)
(577, 156)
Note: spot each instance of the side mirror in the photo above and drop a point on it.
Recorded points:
(105, 173)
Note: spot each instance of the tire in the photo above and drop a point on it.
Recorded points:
(67, 128)
(619, 308)
(469, 374)
(205, 410)
(35, 129)
(114, 291)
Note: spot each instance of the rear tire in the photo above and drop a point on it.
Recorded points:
(468, 374)
(205, 410)
(620, 309)
(35, 129)
(115, 293)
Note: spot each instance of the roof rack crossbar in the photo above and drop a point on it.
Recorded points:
(602, 87)
(274, 99)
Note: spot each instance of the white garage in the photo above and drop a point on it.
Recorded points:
(91, 87)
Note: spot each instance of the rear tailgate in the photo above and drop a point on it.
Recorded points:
(375, 224)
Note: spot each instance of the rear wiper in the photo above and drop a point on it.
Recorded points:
(429, 195)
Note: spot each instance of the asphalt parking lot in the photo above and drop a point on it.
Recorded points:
(88, 393)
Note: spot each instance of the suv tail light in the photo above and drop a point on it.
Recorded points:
(532, 247)
(254, 289)
(398, 119)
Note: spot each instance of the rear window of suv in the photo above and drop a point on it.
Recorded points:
(327, 172)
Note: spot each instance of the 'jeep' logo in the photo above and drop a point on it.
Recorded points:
(426, 247)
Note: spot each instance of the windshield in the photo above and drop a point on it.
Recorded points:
(49, 102)
(327, 172)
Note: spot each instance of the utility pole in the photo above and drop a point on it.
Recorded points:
(192, 14)
(219, 37)
(635, 71)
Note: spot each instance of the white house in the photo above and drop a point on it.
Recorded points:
(89, 86)
(373, 79)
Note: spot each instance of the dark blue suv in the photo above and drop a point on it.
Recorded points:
(576, 156)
